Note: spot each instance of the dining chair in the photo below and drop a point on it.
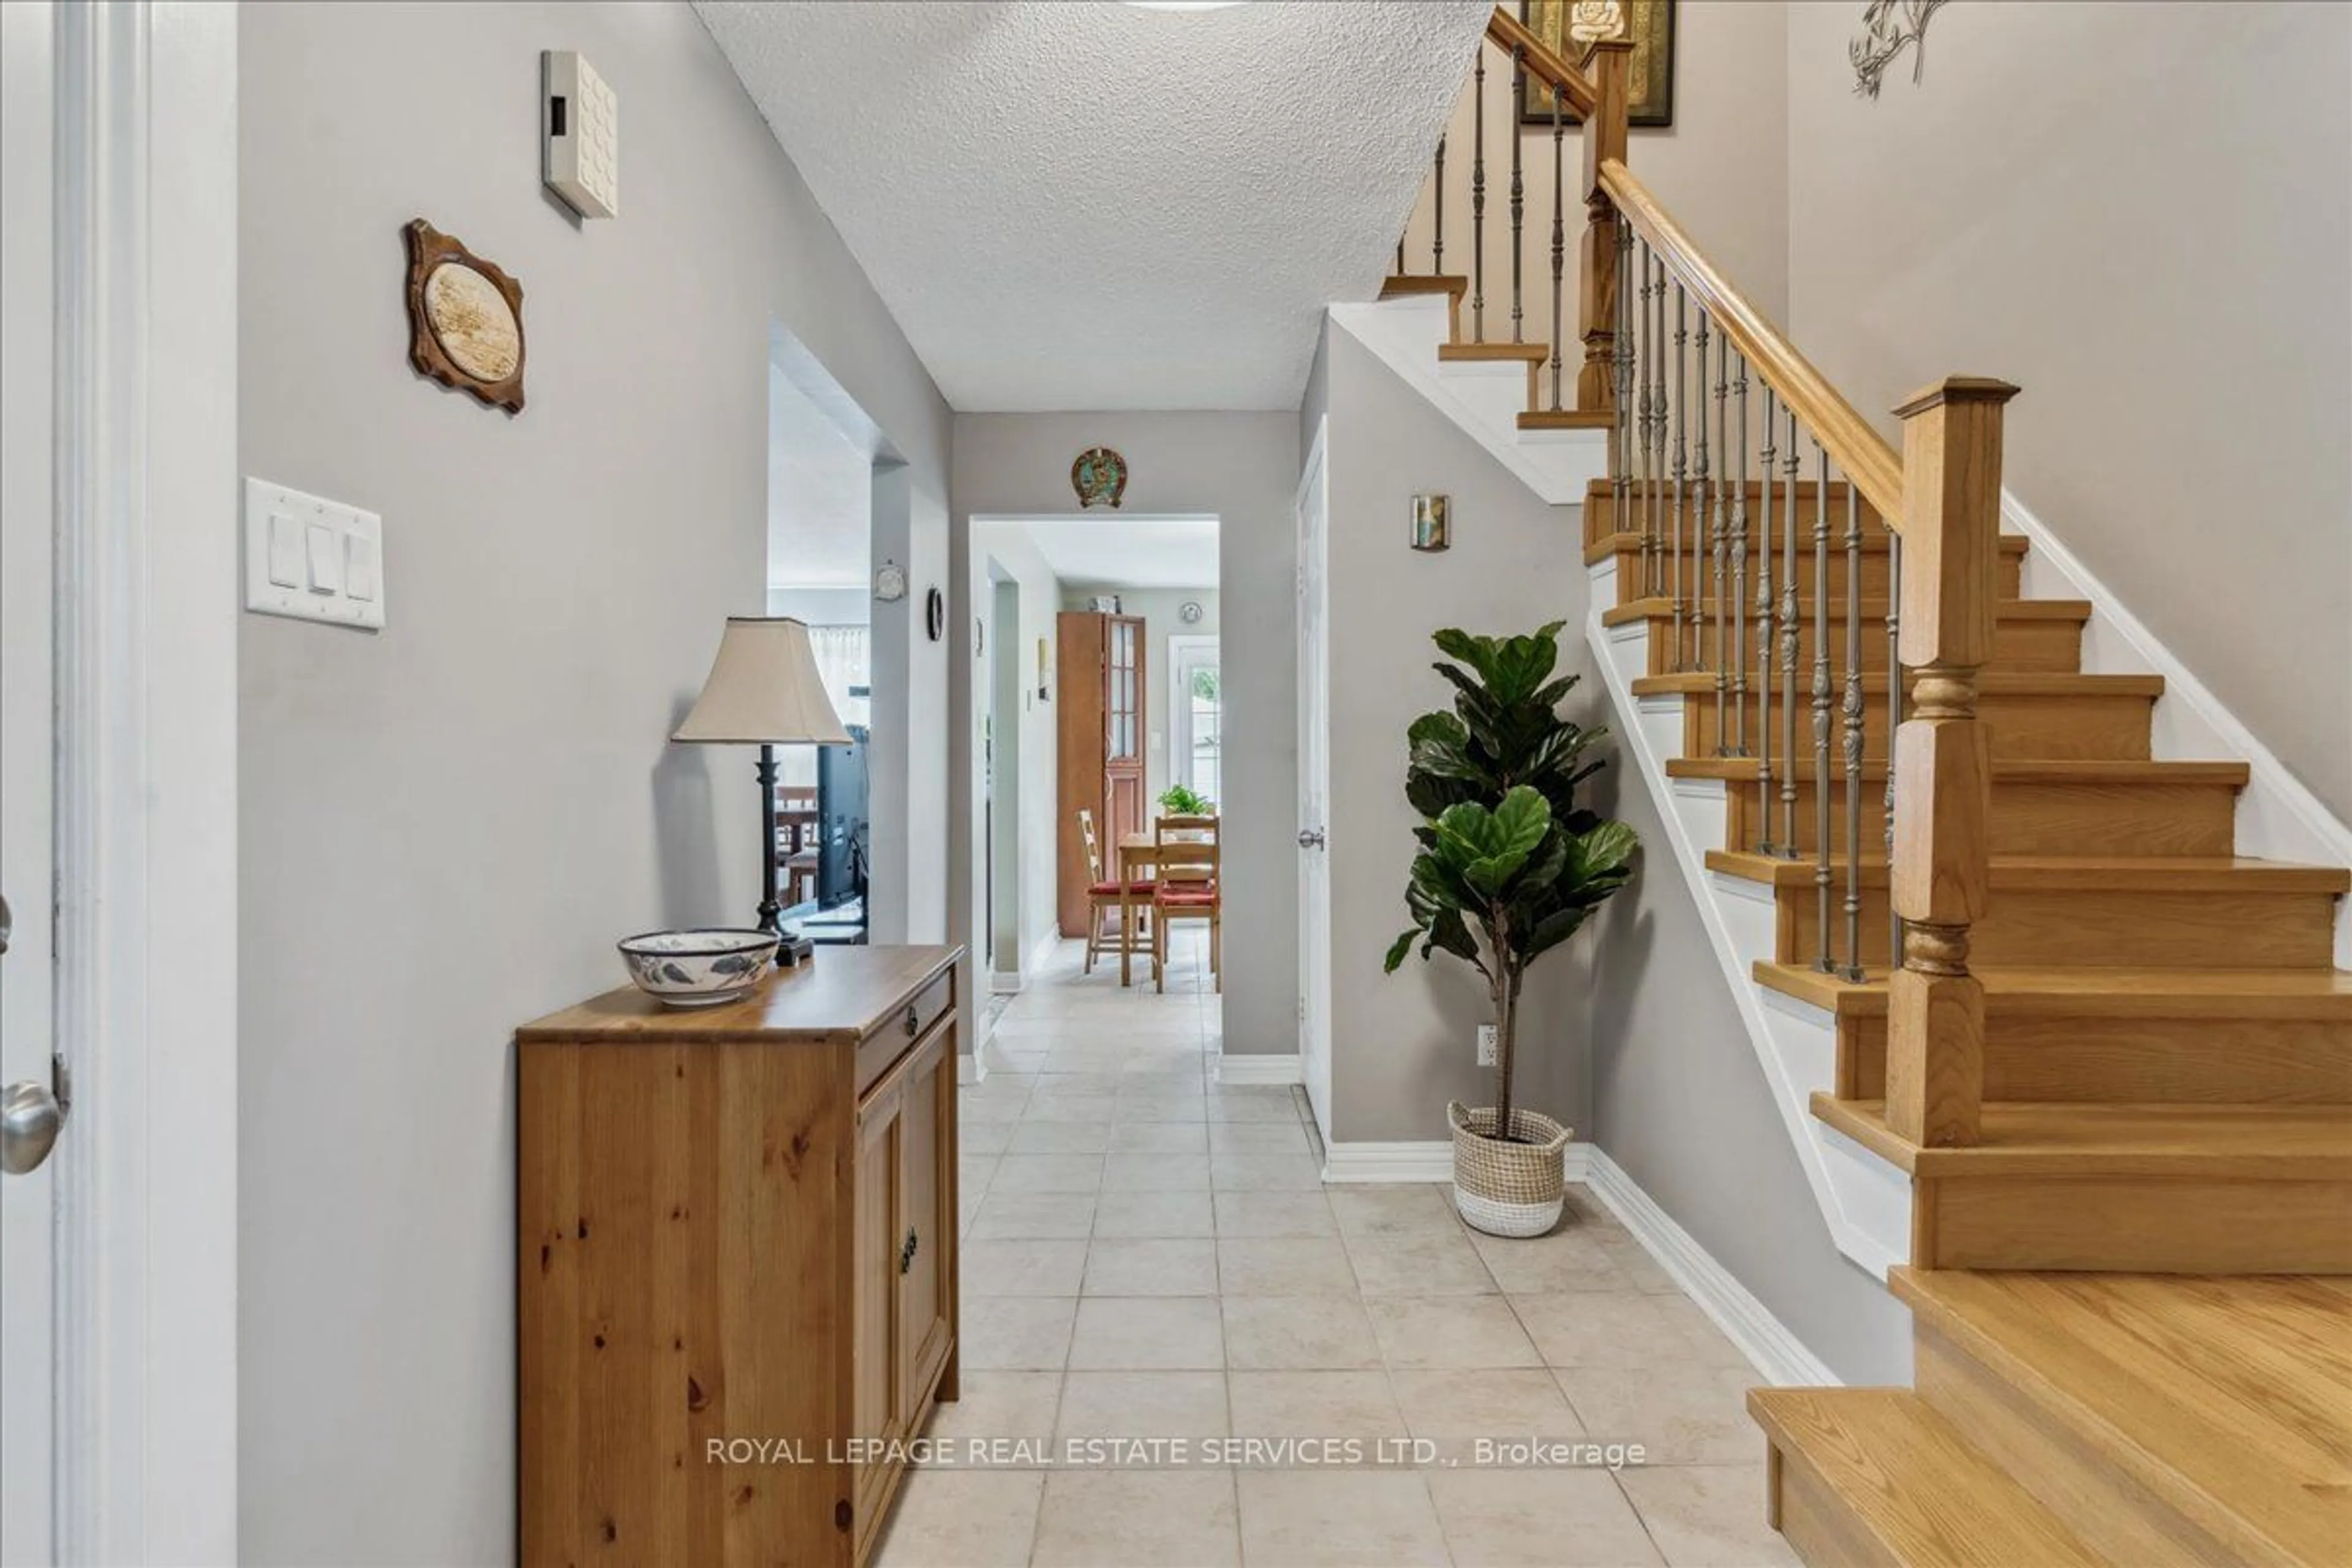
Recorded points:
(1102, 894)
(1187, 888)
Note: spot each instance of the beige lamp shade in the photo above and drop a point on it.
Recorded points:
(763, 689)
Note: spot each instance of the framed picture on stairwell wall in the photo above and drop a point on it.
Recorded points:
(1564, 25)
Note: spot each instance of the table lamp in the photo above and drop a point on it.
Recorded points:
(763, 690)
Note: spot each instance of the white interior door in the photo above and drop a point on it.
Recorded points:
(28, 1198)
(1315, 788)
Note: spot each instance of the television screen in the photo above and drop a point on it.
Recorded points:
(842, 830)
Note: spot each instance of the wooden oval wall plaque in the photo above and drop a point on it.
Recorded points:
(465, 319)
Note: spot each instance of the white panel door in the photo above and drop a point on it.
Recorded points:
(1315, 787)
(28, 1198)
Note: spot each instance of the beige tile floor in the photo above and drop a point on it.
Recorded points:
(1151, 1255)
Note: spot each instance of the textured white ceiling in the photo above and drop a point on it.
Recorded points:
(1129, 553)
(1078, 204)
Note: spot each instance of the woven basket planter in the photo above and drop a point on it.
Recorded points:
(1507, 1186)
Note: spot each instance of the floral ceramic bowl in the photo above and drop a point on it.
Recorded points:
(698, 968)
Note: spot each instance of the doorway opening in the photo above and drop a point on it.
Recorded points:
(1098, 697)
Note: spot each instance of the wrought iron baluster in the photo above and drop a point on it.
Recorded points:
(1437, 235)
(1765, 607)
(1681, 337)
(1518, 186)
(1854, 721)
(1791, 629)
(1558, 252)
(1400, 256)
(1739, 575)
(1478, 202)
(1645, 358)
(1700, 485)
(1719, 526)
(1894, 723)
(1621, 478)
(1821, 832)
(1659, 494)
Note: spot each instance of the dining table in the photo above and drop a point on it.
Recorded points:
(1138, 860)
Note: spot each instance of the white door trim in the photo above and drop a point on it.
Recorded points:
(1180, 706)
(147, 605)
(1317, 1068)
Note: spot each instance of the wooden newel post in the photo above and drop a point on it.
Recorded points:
(1606, 61)
(1943, 770)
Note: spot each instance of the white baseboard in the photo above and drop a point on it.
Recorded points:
(1279, 1068)
(969, 1068)
(1778, 1355)
(1423, 1159)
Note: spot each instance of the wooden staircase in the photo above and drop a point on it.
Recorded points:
(2129, 1346)
(2112, 1055)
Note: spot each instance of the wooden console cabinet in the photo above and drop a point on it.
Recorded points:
(736, 1263)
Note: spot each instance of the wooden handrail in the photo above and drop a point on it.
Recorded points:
(1506, 33)
(1863, 455)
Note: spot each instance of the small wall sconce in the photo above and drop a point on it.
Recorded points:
(1432, 523)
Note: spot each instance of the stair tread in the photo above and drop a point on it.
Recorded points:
(2227, 1397)
(2322, 995)
(1989, 683)
(1658, 608)
(1875, 542)
(2275, 1142)
(1474, 353)
(2017, 770)
(1926, 1494)
(1400, 286)
(1568, 420)
(2155, 874)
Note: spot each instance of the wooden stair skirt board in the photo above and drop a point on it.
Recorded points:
(2045, 716)
(1873, 1476)
(2158, 1189)
(2087, 912)
(2224, 1036)
(2161, 1420)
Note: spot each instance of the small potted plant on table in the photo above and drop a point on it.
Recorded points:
(1182, 800)
(1509, 867)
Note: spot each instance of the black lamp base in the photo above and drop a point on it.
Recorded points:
(770, 910)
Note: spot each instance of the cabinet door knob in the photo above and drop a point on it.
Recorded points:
(914, 1018)
(906, 1252)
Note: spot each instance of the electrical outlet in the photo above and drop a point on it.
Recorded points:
(1485, 1045)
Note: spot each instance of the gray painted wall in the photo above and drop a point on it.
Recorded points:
(1630, 1034)
(1243, 467)
(1027, 740)
(444, 827)
(1680, 1103)
(2142, 214)
(1402, 1045)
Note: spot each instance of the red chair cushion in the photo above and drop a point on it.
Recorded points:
(1110, 890)
(1203, 896)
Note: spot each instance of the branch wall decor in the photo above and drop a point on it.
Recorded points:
(1888, 27)
(465, 319)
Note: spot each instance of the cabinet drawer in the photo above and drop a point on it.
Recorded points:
(885, 1045)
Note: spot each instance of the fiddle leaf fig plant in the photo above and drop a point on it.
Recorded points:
(1509, 865)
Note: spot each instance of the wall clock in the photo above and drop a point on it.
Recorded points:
(465, 319)
(935, 615)
(890, 582)
(1099, 476)
(1190, 611)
